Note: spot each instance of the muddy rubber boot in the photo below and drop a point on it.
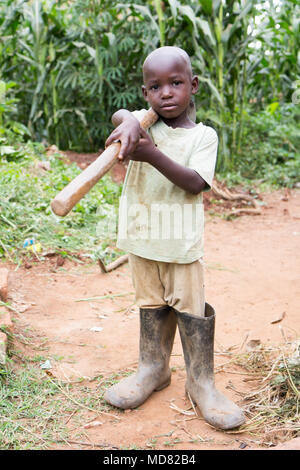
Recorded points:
(157, 331)
(197, 337)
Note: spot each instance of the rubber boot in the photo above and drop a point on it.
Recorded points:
(157, 331)
(197, 337)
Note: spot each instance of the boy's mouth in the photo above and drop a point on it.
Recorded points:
(168, 106)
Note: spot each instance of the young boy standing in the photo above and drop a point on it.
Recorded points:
(161, 227)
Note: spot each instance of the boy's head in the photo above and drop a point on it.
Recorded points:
(169, 82)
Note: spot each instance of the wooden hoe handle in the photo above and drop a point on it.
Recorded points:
(77, 188)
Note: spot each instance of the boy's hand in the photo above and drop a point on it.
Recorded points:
(128, 134)
(144, 149)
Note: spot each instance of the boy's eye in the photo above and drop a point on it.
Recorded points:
(153, 87)
(176, 82)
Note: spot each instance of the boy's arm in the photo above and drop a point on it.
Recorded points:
(136, 143)
(127, 132)
(185, 178)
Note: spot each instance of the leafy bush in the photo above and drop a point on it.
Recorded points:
(11, 131)
(271, 143)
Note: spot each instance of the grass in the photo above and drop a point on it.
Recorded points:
(24, 392)
(273, 404)
(39, 411)
(26, 193)
(31, 410)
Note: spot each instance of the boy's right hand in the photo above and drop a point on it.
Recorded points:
(127, 133)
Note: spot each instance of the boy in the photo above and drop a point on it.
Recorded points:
(170, 167)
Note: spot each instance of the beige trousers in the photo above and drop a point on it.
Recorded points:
(158, 283)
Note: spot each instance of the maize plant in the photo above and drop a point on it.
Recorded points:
(75, 62)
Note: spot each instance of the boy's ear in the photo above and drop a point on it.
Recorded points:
(195, 84)
(144, 91)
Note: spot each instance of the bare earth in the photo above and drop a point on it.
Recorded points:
(252, 278)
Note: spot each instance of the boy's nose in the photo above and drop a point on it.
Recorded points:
(166, 92)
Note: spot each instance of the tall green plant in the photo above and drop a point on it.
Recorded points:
(275, 52)
(224, 32)
(74, 63)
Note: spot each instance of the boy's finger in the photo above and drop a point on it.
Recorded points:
(108, 141)
(123, 153)
(111, 140)
(143, 133)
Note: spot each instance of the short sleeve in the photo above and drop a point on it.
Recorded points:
(139, 114)
(203, 159)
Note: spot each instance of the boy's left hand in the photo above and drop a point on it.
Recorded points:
(144, 150)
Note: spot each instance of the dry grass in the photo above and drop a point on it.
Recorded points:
(272, 407)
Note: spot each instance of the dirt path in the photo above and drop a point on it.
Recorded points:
(252, 277)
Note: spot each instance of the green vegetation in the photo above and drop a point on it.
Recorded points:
(72, 64)
(41, 412)
(270, 150)
(31, 411)
(29, 180)
(26, 193)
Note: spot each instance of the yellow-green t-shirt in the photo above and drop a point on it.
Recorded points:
(157, 219)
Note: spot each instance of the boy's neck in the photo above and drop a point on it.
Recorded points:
(181, 121)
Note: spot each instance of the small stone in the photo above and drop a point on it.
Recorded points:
(96, 328)
(243, 445)
(46, 365)
(253, 344)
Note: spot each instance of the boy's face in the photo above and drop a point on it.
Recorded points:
(168, 86)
